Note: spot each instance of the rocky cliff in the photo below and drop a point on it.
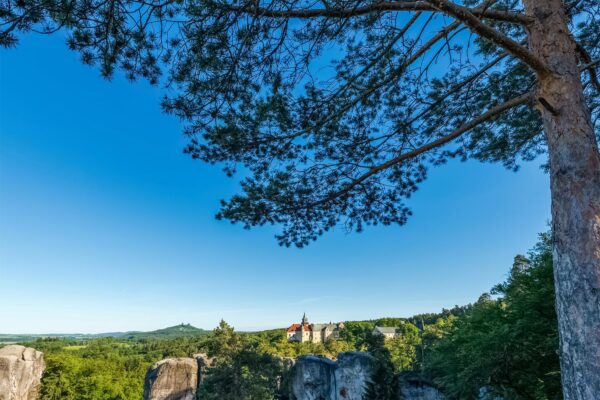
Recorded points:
(21, 370)
(175, 378)
(309, 378)
(316, 378)
(411, 387)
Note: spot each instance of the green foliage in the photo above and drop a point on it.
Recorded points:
(320, 150)
(106, 368)
(421, 320)
(224, 342)
(103, 376)
(181, 330)
(275, 342)
(241, 370)
(508, 345)
(382, 384)
(357, 333)
(403, 349)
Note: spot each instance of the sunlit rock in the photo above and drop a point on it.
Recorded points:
(172, 379)
(21, 370)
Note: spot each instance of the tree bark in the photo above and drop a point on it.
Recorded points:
(575, 189)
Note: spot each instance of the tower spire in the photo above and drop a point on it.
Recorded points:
(304, 319)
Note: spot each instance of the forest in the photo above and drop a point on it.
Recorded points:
(507, 342)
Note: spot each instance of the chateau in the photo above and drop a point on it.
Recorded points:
(314, 333)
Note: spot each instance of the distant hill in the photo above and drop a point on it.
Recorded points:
(165, 333)
(170, 332)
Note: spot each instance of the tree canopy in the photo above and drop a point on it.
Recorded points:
(506, 345)
(335, 110)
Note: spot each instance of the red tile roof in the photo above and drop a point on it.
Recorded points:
(296, 328)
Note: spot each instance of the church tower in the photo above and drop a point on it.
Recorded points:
(305, 330)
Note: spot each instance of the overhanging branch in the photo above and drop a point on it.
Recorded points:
(394, 74)
(487, 116)
(590, 65)
(466, 15)
(384, 6)
(471, 17)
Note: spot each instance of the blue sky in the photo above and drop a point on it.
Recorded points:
(106, 225)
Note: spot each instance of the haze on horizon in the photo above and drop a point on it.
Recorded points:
(105, 225)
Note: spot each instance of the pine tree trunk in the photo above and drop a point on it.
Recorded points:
(575, 188)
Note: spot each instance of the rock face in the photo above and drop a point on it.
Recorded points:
(353, 371)
(318, 378)
(312, 378)
(309, 378)
(175, 378)
(414, 388)
(204, 362)
(21, 370)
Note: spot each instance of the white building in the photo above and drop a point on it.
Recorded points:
(315, 333)
(387, 332)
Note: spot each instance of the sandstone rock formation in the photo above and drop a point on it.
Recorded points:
(413, 388)
(21, 370)
(309, 378)
(175, 378)
(352, 374)
(318, 378)
(312, 378)
(204, 362)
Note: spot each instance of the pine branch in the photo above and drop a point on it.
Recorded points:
(394, 74)
(456, 88)
(385, 6)
(380, 56)
(471, 17)
(474, 22)
(397, 72)
(487, 116)
(590, 65)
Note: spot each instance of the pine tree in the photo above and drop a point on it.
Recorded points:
(414, 83)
